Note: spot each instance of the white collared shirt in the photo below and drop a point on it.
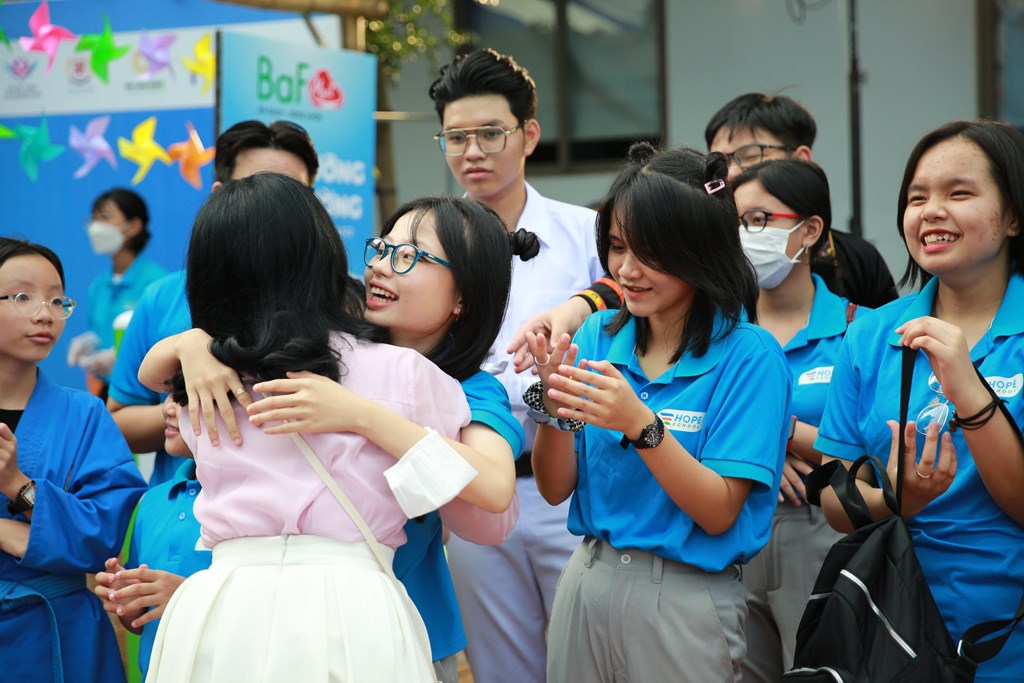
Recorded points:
(566, 264)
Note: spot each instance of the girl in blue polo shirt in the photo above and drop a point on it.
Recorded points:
(785, 214)
(960, 210)
(119, 229)
(681, 412)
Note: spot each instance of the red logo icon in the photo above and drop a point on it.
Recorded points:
(21, 68)
(324, 92)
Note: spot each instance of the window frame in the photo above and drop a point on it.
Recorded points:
(564, 162)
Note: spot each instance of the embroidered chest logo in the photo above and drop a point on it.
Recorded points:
(1006, 387)
(682, 420)
(822, 375)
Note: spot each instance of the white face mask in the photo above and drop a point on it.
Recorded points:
(105, 238)
(767, 253)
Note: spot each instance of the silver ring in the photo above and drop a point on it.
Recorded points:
(239, 391)
(918, 473)
(539, 364)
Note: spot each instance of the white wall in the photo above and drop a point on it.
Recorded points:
(919, 58)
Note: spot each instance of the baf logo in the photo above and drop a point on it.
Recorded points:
(682, 420)
(21, 68)
(324, 92)
(1006, 387)
(822, 375)
(286, 88)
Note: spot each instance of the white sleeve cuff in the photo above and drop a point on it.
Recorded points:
(430, 474)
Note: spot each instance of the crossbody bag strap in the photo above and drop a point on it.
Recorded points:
(346, 503)
(973, 643)
(364, 529)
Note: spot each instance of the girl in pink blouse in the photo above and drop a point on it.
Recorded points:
(294, 592)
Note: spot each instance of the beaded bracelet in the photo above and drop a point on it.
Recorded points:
(976, 421)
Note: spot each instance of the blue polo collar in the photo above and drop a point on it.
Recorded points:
(185, 473)
(130, 274)
(1007, 322)
(827, 319)
(621, 352)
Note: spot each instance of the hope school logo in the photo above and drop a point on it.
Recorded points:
(1006, 387)
(682, 420)
(822, 375)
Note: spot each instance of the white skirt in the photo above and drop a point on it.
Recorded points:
(291, 608)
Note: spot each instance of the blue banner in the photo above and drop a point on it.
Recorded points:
(330, 93)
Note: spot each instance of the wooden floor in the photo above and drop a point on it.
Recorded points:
(465, 675)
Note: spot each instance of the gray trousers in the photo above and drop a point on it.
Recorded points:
(634, 616)
(778, 582)
(446, 669)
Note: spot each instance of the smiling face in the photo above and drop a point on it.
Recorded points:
(28, 339)
(956, 224)
(647, 293)
(419, 306)
(490, 178)
(173, 443)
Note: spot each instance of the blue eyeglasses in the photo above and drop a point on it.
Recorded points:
(403, 256)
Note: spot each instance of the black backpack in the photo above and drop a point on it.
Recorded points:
(871, 616)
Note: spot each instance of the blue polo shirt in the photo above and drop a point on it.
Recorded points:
(812, 351)
(109, 299)
(420, 563)
(165, 537)
(971, 552)
(162, 311)
(729, 409)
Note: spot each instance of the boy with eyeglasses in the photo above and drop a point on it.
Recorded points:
(243, 149)
(487, 103)
(756, 127)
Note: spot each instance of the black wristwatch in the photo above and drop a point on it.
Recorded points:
(25, 500)
(650, 436)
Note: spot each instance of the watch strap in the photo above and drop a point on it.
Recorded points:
(650, 436)
(21, 503)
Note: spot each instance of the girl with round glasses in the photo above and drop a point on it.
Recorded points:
(960, 208)
(449, 307)
(785, 215)
(68, 485)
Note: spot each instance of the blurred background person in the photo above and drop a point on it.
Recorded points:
(119, 228)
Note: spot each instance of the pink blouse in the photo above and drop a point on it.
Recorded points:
(265, 487)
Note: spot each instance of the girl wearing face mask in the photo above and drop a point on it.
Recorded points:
(785, 213)
(118, 229)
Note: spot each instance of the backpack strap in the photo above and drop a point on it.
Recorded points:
(969, 645)
(906, 375)
(979, 652)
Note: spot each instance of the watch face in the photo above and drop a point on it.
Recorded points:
(652, 434)
(30, 495)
